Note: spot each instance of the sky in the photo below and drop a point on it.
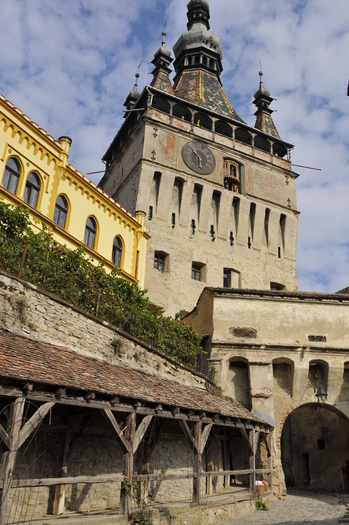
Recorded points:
(70, 64)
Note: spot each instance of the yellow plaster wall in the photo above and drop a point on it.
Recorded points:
(38, 152)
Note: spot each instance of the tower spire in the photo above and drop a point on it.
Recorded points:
(263, 99)
(134, 95)
(162, 61)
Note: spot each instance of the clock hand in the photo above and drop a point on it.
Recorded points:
(198, 156)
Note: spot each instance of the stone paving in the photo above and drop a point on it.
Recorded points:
(298, 507)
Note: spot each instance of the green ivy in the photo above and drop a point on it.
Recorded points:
(72, 275)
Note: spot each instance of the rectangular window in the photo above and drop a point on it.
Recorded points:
(196, 272)
(161, 260)
(226, 278)
(231, 278)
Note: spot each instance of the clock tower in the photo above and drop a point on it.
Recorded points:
(219, 194)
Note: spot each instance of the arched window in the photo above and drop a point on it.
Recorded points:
(262, 143)
(90, 232)
(223, 128)
(161, 104)
(181, 112)
(117, 251)
(11, 175)
(243, 136)
(61, 210)
(203, 121)
(31, 190)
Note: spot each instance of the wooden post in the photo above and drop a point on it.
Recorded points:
(59, 503)
(148, 452)
(252, 461)
(226, 459)
(270, 461)
(197, 463)
(209, 467)
(125, 497)
(13, 431)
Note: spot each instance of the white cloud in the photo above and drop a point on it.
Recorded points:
(70, 65)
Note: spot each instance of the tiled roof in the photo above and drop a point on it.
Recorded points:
(342, 295)
(162, 81)
(265, 123)
(24, 359)
(204, 89)
(345, 291)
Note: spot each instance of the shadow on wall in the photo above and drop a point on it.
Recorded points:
(314, 443)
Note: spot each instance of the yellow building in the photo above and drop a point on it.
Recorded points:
(34, 172)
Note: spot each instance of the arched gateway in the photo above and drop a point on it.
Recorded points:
(314, 443)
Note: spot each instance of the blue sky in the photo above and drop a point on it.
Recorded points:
(70, 64)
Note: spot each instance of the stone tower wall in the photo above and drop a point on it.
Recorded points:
(266, 181)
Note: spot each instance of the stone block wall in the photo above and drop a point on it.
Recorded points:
(41, 316)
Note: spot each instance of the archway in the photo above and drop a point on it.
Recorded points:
(314, 443)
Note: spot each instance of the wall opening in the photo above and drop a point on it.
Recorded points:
(238, 383)
(203, 121)
(181, 112)
(265, 240)
(195, 204)
(313, 444)
(318, 375)
(251, 223)
(161, 104)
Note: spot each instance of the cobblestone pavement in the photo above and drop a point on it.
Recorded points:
(297, 507)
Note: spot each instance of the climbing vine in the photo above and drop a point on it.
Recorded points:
(73, 276)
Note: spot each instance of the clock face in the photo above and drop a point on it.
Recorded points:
(198, 158)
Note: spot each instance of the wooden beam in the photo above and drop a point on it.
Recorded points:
(127, 470)
(13, 430)
(34, 422)
(252, 461)
(140, 432)
(266, 441)
(112, 478)
(205, 436)
(71, 480)
(246, 439)
(209, 465)
(226, 458)
(5, 437)
(79, 401)
(59, 502)
(256, 441)
(269, 438)
(197, 463)
(187, 432)
(118, 430)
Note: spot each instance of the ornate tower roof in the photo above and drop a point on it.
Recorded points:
(262, 100)
(162, 60)
(198, 63)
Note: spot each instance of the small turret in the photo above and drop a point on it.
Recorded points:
(262, 100)
(162, 61)
(132, 97)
